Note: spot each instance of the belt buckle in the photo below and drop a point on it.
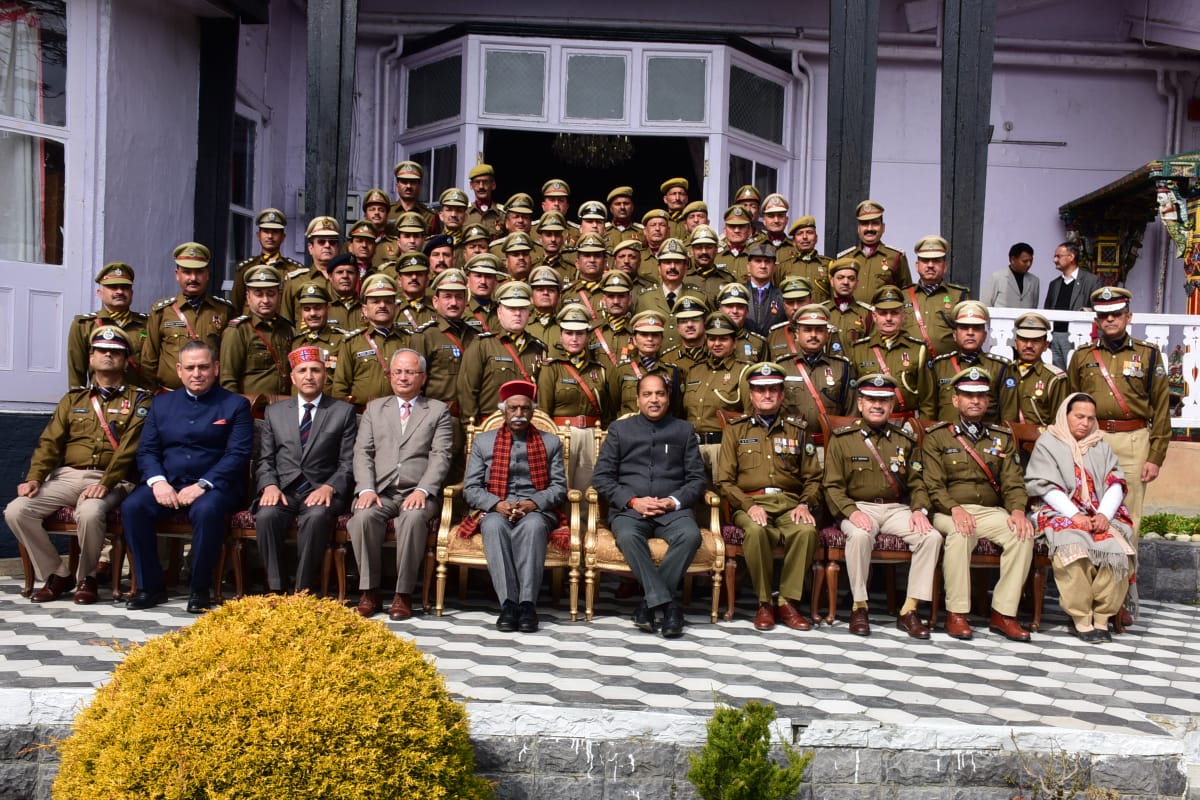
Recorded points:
(772, 490)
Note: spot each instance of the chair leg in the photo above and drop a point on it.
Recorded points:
(117, 563)
(716, 595)
(326, 568)
(573, 577)
(73, 555)
(339, 567)
(427, 580)
(239, 569)
(464, 579)
(1039, 597)
(818, 584)
(833, 571)
(589, 593)
(731, 566)
(219, 577)
(27, 567)
(441, 588)
(556, 582)
(935, 605)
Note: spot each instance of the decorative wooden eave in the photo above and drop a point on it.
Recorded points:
(1132, 198)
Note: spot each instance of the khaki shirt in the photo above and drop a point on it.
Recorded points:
(250, 365)
(396, 209)
(613, 235)
(74, 436)
(710, 387)
(171, 325)
(733, 263)
(615, 347)
(559, 393)
(79, 344)
(935, 391)
(346, 314)
(952, 477)
(853, 475)
(886, 266)
(811, 265)
(828, 375)
(294, 281)
(755, 457)
(238, 294)
(488, 364)
(415, 314)
(900, 357)
(1041, 388)
(491, 220)
(848, 323)
(362, 363)
(927, 316)
(1139, 372)
(443, 345)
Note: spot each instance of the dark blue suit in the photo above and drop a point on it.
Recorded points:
(186, 439)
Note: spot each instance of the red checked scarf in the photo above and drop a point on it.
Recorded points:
(497, 482)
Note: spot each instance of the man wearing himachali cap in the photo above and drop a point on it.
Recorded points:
(305, 472)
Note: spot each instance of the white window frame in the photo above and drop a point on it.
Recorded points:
(766, 72)
(453, 136)
(550, 79)
(626, 55)
(243, 110)
(713, 59)
(432, 56)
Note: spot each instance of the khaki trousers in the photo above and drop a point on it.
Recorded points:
(710, 454)
(799, 546)
(891, 518)
(1131, 449)
(581, 461)
(991, 523)
(25, 516)
(1088, 593)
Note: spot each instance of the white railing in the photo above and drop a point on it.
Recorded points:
(1168, 331)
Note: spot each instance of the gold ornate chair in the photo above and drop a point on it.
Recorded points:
(467, 551)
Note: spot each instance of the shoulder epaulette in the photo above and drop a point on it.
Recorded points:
(800, 421)
(161, 304)
(671, 349)
(837, 357)
(779, 325)
(233, 323)
(847, 251)
(843, 430)
(866, 306)
(83, 317)
(754, 335)
(1002, 359)
(488, 335)
(355, 332)
(246, 262)
(888, 247)
(997, 428)
(638, 226)
(955, 286)
(912, 339)
(221, 300)
(647, 289)
(140, 393)
(937, 426)
(140, 316)
(1056, 370)
(742, 418)
(425, 325)
(296, 273)
(287, 260)
(943, 357)
(912, 437)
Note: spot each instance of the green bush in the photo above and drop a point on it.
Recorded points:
(1170, 523)
(735, 762)
(272, 697)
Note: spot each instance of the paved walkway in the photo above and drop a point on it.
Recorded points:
(1143, 682)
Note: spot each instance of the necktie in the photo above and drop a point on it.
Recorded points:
(306, 423)
(671, 300)
(405, 411)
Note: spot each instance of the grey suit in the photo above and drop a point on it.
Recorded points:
(326, 458)
(643, 458)
(1000, 289)
(394, 463)
(516, 551)
(1084, 284)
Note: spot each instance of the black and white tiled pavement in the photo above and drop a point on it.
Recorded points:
(1144, 677)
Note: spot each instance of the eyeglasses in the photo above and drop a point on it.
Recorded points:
(1110, 314)
(410, 372)
(325, 242)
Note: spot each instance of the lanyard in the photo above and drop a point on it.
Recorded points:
(991, 476)
(517, 359)
(283, 373)
(583, 387)
(812, 390)
(108, 434)
(179, 312)
(1111, 384)
(883, 467)
(883, 366)
(912, 293)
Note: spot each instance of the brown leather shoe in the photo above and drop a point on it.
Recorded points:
(401, 608)
(789, 616)
(368, 604)
(764, 620)
(957, 626)
(1008, 627)
(87, 593)
(911, 624)
(56, 586)
(860, 623)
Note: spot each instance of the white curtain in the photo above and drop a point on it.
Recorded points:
(21, 158)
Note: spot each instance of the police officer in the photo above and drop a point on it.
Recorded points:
(518, 217)
(483, 276)
(703, 270)
(935, 388)
(556, 196)
(872, 483)
(551, 242)
(770, 476)
(509, 354)
(315, 330)
(545, 287)
(375, 205)
(888, 351)
(475, 240)
(976, 489)
(695, 214)
(645, 357)
(323, 236)
(593, 218)
(879, 265)
(410, 237)
(671, 284)
(622, 227)
(453, 213)
(611, 337)
(572, 388)
(1041, 386)
(254, 346)
(804, 261)
(85, 459)
(345, 302)
(1128, 379)
(365, 355)
(272, 230)
(412, 276)
(189, 315)
(675, 199)
(627, 257)
(850, 318)
(115, 291)
(712, 387)
(739, 227)
(690, 314)
(361, 245)
(817, 382)
(749, 198)
(774, 231)
(656, 229)
(931, 299)
(734, 302)
(591, 262)
(409, 176)
(484, 210)
(781, 339)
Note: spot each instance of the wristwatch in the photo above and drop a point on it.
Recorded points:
(203, 484)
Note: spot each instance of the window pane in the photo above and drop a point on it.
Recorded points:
(425, 159)
(241, 240)
(741, 173)
(434, 92)
(33, 60)
(241, 167)
(515, 83)
(31, 213)
(675, 91)
(595, 87)
(755, 105)
(445, 161)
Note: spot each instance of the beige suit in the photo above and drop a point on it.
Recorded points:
(394, 460)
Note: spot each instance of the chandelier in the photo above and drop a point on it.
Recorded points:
(594, 150)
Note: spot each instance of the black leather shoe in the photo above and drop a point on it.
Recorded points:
(507, 621)
(198, 603)
(527, 618)
(644, 618)
(672, 626)
(144, 599)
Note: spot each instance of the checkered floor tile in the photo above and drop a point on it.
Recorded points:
(1138, 683)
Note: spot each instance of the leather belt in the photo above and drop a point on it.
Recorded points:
(768, 490)
(1121, 425)
(712, 437)
(579, 421)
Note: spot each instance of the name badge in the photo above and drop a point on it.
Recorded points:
(364, 354)
(747, 441)
(505, 359)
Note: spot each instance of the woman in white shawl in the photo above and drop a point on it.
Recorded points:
(1078, 491)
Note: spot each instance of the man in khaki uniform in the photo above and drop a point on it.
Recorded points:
(816, 382)
(409, 238)
(731, 255)
(591, 262)
(781, 339)
(115, 291)
(556, 196)
(879, 265)
(734, 302)
(345, 303)
(804, 261)
(645, 357)
(484, 211)
(774, 231)
(976, 489)
(750, 198)
(483, 276)
(703, 270)
(623, 227)
(770, 476)
(930, 301)
(551, 242)
(315, 329)
(518, 253)
(439, 250)
(413, 308)
(323, 236)
(375, 211)
(849, 318)
(362, 362)
(189, 315)
(889, 352)
(572, 387)
(970, 332)
(545, 285)
(475, 240)
(1041, 386)
(675, 200)
(690, 314)
(453, 212)
(254, 347)
(493, 360)
(611, 338)
(409, 176)
(711, 387)
(1128, 379)
(695, 214)
(85, 458)
(593, 218)
(873, 484)
(670, 285)
(444, 340)
(272, 230)
(360, 244)
(656, 229)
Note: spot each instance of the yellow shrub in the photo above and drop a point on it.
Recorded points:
(272, 698)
